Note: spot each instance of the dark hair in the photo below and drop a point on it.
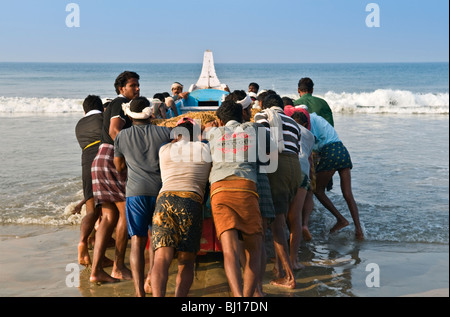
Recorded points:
(229, 110)
(287, 101)
(166, 94)
(122, 80)
(236, 95)
(160, 97)
(273, 101)
(306, 85)
(263, 96)
(254, 85)
(138, 104)
(300, 118)
(92, 102)
(186, 125)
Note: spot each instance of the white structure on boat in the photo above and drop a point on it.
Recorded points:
(207, 94)
(208, 78)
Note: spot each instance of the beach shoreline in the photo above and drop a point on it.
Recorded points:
(39, 261)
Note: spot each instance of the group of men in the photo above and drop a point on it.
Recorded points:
(151, 181)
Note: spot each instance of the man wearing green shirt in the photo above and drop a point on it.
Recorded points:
(315, 104)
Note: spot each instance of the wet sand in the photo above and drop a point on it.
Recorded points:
(40, 261)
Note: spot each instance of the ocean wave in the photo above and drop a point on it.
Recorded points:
(24, 105)
(379, 101)
(388, 101)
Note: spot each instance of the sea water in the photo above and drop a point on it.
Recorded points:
(393, 118)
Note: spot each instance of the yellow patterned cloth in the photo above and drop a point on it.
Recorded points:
(177, 221)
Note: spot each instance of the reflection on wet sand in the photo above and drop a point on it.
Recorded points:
(327, 272)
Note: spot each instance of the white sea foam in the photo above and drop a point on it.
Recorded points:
(15, 105)
(389, 101)
(378, 101)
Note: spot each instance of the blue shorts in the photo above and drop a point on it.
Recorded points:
(139, 212)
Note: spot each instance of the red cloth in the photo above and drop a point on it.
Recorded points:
(289, 111)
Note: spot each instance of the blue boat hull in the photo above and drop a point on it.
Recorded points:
(202, 100)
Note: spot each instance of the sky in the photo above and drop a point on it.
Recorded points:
(237, 31)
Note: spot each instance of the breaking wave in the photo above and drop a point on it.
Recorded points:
(379, 101)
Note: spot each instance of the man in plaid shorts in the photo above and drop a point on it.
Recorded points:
(109, 184)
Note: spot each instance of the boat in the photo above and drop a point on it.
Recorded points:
(207, 94)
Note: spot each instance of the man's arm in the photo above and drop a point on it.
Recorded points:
(115, 126)
(120, 164)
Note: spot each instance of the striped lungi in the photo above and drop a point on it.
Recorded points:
(107, 183)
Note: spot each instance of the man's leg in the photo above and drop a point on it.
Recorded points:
(151, 256)
(185, 277)
(307, 210)
(86, 228)
(120, 271)
(281, 250)
(137, 262)
(231, 252)
(102, 238)
(346, 186)
(253, 245)
(322, 179)
(295, 227)
(160, 271)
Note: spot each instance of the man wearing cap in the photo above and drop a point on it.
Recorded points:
(178, 95)
(109, 184)
(136, 150)
(177, 221)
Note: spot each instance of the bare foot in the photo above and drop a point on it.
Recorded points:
(102, 277)
(83, 255)
(306, 234)
(339, 225)
(296, 266)
(91, 241)
(147, 286)
(279, 273)
(123, 273)
(259, 292)
(107, 262)
(284, 282)
(359, 236)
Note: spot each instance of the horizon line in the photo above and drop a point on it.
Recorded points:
(218, 63)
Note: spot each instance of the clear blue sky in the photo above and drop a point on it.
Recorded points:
(237, 31)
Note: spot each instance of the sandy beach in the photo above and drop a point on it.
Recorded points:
(39, 261)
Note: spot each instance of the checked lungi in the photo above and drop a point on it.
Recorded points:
(107, 183)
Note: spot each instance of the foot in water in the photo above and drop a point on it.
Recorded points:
(284, 282)
(306, 234)
(121, 273)
(102, 277)
(339, 225)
